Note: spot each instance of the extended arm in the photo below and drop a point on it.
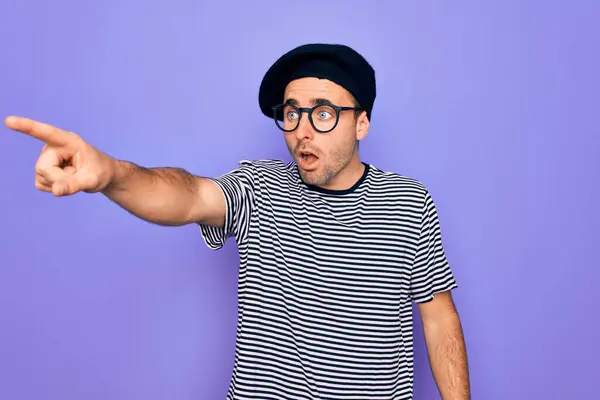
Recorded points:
(166, 196)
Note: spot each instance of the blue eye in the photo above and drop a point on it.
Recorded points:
(324, 114)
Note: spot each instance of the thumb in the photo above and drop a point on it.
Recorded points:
(67, 185)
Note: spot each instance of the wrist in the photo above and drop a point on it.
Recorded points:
(117, 172)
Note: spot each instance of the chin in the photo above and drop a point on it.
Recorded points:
(311, 177)
(315, 177)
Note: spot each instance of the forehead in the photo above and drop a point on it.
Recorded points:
(305, 90)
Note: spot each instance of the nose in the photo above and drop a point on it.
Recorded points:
(304, 130)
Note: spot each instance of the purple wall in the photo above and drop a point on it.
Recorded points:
(494, 107)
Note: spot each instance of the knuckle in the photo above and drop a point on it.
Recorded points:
(40, 186)
(41, 171)
(75, 136)
(42, 181)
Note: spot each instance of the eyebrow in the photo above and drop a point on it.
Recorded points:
(314, 101)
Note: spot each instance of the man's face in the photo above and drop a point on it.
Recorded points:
(322, 156)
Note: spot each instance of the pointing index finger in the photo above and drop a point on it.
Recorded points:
(45, 132)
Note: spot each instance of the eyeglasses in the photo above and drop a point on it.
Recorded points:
(323, 117)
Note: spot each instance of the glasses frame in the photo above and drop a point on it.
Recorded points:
(309, 111)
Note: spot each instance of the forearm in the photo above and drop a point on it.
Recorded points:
(448, 358)
(163, 196)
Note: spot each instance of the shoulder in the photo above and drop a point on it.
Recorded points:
(395, 183)
(403, 195)
(267, 171)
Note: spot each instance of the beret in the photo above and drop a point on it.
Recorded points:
(335, 62)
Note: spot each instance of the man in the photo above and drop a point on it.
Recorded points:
(333, 250)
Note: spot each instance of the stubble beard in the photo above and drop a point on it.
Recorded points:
(334, 163)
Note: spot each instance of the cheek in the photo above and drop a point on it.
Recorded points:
(290, 141)
(342, 141)
(331, 147)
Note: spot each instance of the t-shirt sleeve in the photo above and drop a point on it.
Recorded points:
(431, 271)
(238, 187)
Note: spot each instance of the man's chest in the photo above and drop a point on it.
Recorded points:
(350, 247)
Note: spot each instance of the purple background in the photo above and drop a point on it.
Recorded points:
(494, 106)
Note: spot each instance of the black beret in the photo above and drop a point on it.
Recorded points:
(335, 62)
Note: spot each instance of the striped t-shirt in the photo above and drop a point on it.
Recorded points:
(327, 280)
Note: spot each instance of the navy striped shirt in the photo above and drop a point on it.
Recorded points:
(327, 280)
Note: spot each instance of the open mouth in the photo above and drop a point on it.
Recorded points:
(307, 158)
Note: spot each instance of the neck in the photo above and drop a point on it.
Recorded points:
(348, 176)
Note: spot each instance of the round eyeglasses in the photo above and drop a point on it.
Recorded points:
(323, 117)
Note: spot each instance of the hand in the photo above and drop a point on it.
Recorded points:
(67, 164)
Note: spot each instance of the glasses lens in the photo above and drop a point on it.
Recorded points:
(287, 117)
(324, 118)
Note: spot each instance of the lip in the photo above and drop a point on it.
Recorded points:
(300, 152)
(305, 164)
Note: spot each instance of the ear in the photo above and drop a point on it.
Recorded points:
(362, 126)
